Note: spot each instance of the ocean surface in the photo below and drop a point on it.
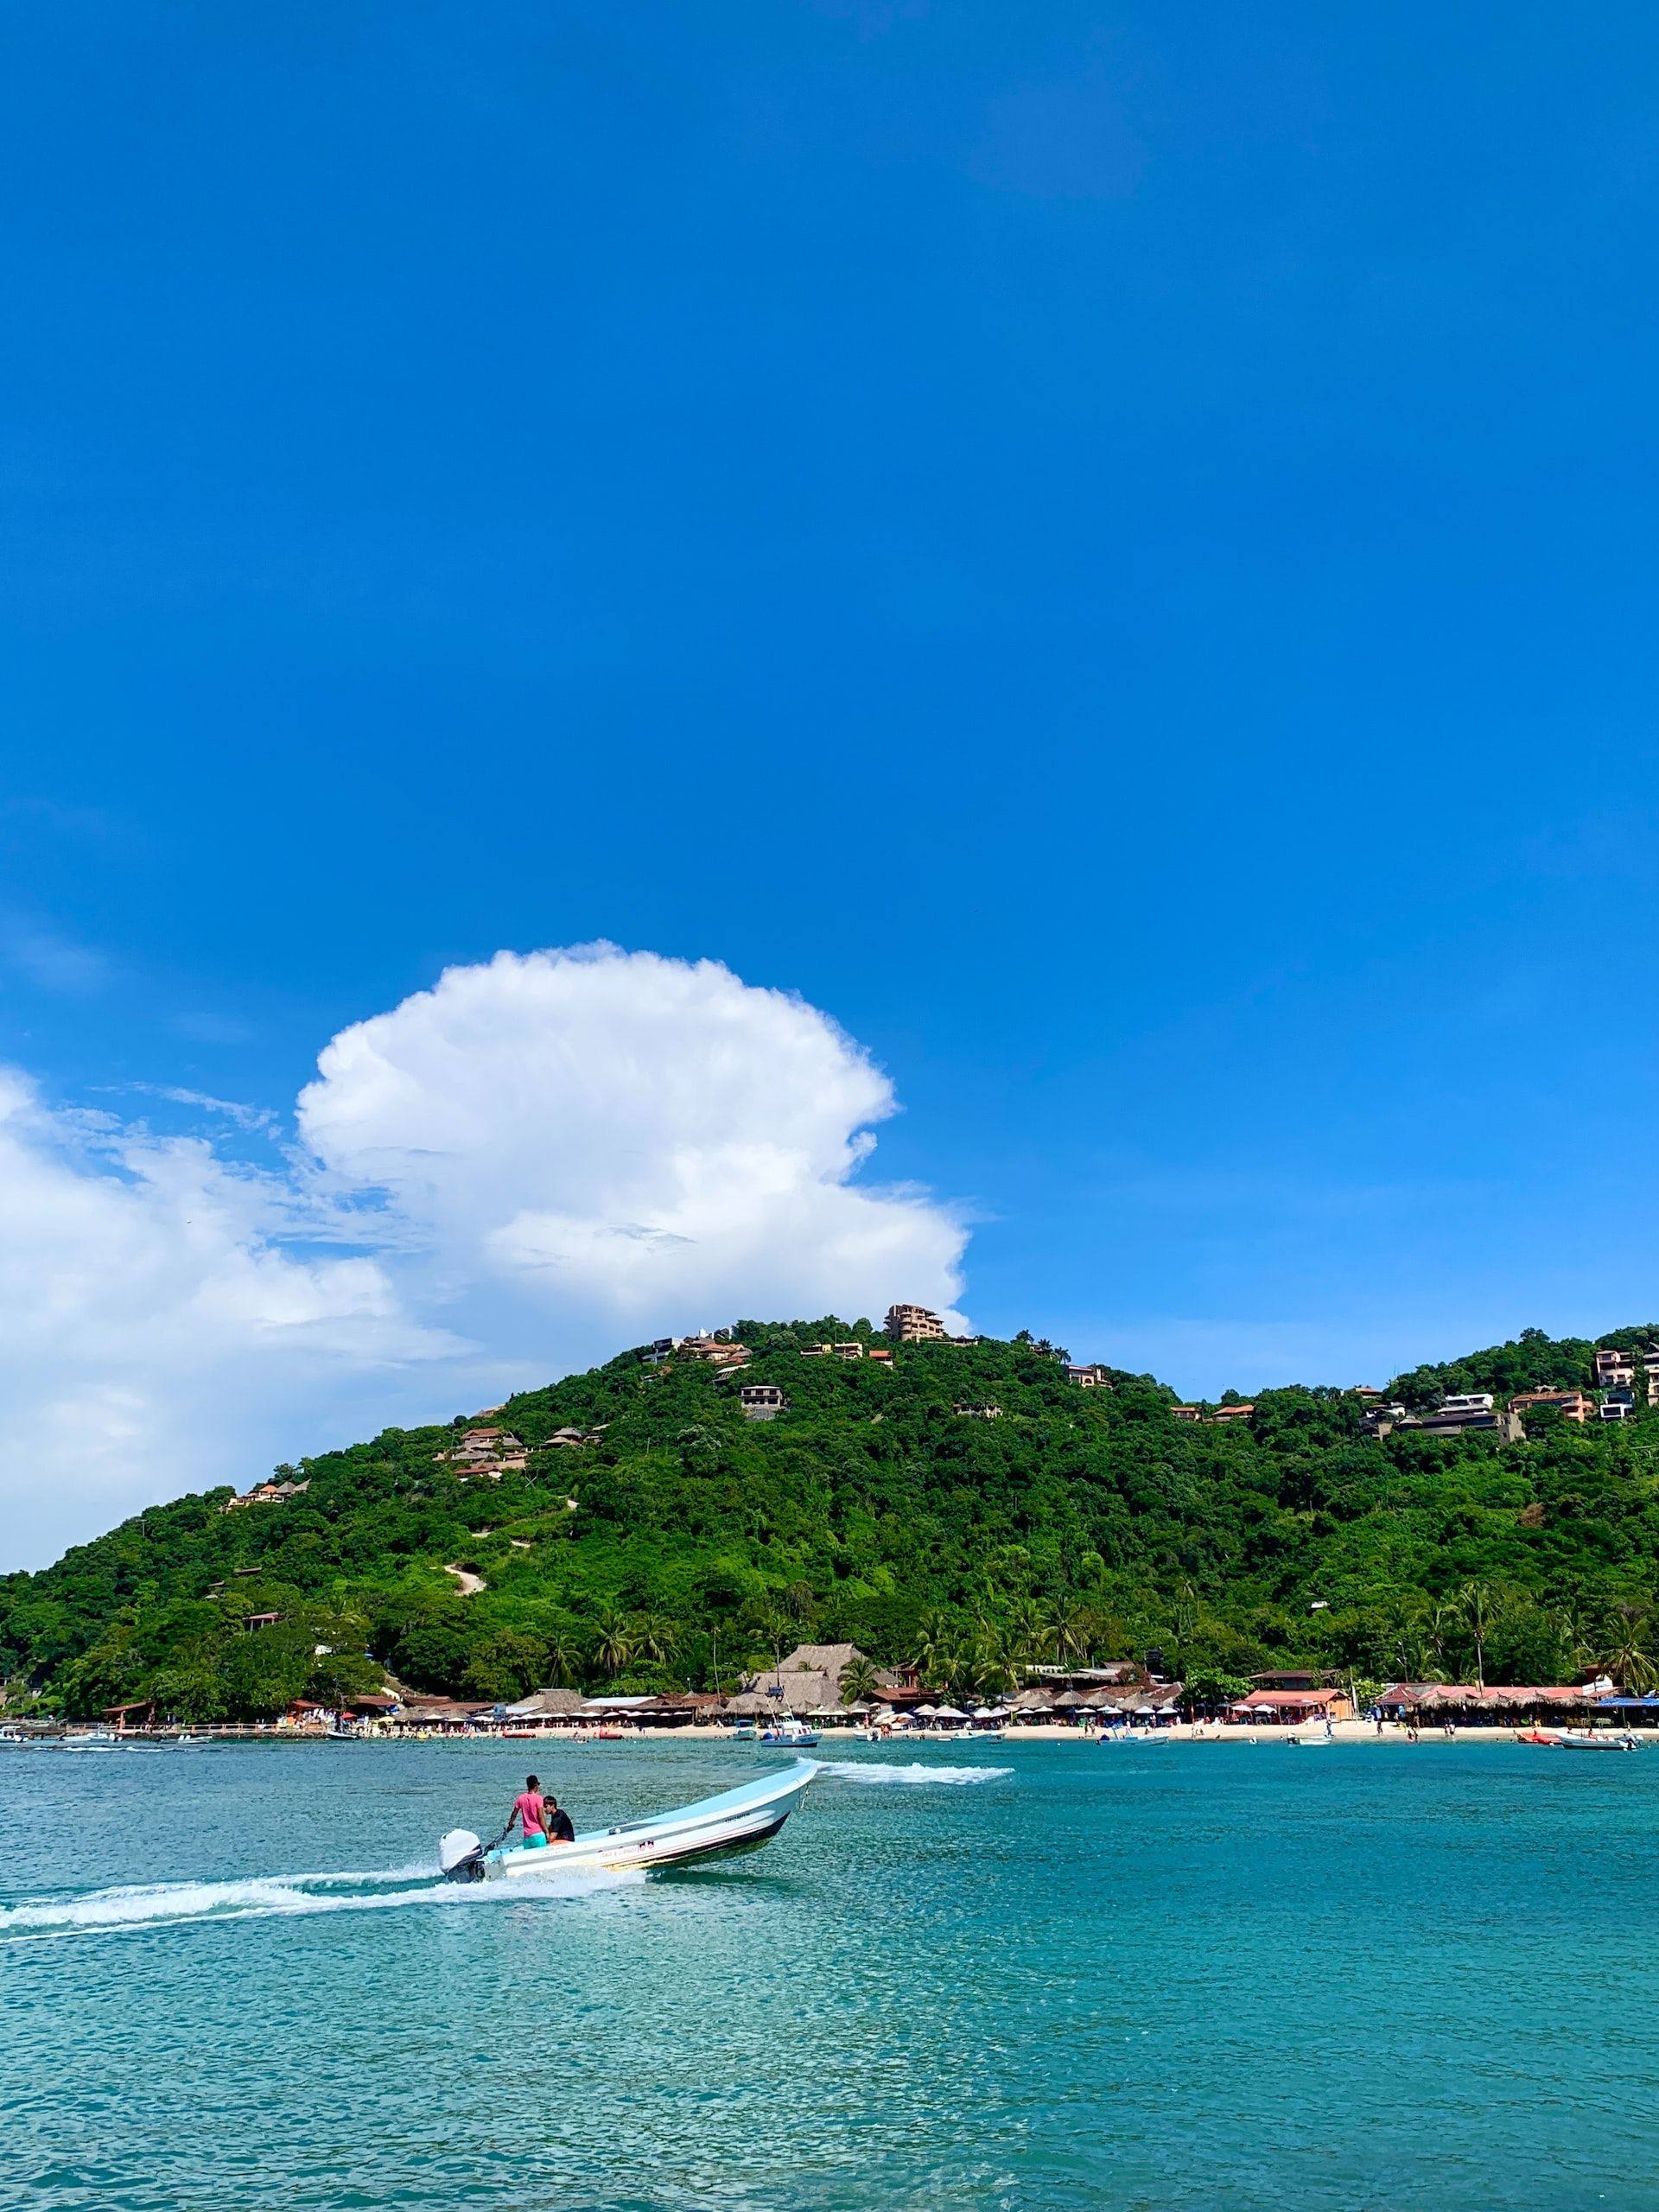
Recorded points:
(1198, 1978)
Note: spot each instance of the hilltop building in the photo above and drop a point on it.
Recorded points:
(266, 1494)
(715, 1349)
(914, 1325)
(1574, 1405)
(762, 1400)
(1092, 1377)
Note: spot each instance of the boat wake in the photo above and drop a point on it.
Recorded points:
(912, 1777)
(265, 1897)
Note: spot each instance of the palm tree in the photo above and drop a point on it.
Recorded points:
(1623, 1651)
(1577, 1620)
(858, 1681)
(565, 1658)
(613, 1647)
(1184, 1619)
(1070, 1631)
(1480, 1607)
(933, 1647)
(1027, 1633)
(999, 1661)
(652, 1639)
(1441, 1632)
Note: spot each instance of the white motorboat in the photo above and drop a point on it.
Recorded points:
(787, 1729)
(737, 1820)
(1590, 1739)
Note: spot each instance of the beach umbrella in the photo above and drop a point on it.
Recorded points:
(949, 1712)
(925, 1712)
(1068, 1697)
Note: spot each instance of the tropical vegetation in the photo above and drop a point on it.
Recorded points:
(683, 1544)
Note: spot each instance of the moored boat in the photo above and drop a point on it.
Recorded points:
(1579, 1739)
(739, 1819)
(787, 1729)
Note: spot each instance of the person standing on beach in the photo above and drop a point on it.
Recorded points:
(527, 1813)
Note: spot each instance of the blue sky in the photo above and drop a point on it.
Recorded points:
(1108, 548)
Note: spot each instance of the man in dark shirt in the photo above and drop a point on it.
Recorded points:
(556, 1822)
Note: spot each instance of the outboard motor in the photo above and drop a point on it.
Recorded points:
(460, 1856)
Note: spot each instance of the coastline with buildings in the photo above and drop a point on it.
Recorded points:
(837, 1689)
(972, 1513)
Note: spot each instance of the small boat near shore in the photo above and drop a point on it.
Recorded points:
(790, 1730)
(1578, 1740)
(741, 1819)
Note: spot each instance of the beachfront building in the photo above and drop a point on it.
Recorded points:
(807, 1681)
(914, 1325)
(1279, 1706)
(1299, 1678)
(1488, 1705)
(1088, 1681)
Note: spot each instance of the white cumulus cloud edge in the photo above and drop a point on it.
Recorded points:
(541, 1159)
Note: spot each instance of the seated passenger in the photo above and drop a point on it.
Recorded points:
(555, 1823)
(527, 1808)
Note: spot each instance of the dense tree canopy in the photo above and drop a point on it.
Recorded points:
(1076, 1523)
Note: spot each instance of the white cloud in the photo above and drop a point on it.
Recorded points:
(535, 1162)
(653, 1138)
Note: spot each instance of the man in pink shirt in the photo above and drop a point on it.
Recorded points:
(527, 1811)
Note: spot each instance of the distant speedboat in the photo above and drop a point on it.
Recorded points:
(737, 1820)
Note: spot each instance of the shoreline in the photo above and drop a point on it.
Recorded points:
(1343, 1731)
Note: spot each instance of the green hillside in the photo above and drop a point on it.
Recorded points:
(1079, 1522)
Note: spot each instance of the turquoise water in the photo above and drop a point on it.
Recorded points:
(1183, 1976)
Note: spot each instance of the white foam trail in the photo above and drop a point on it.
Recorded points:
(856, 1770)
(175, 1904)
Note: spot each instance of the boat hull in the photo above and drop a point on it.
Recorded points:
(737, 1820)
